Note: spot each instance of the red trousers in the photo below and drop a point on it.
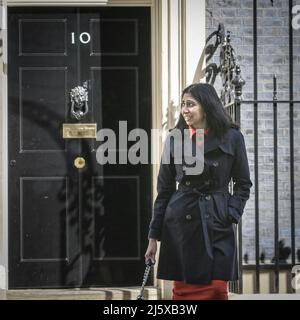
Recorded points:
(216, 290)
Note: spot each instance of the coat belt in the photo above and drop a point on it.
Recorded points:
(200, 191)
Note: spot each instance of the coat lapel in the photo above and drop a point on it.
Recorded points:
(211, 142)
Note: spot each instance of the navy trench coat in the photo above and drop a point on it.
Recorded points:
(194, 215)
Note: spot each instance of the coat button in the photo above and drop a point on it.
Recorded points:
(188, 217)
(207, 182)
(187, 183)
(208, 197)
(207, 216)
(215, 164)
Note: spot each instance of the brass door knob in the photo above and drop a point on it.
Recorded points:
(79, 162)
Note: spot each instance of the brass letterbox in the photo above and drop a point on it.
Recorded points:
(79, 130)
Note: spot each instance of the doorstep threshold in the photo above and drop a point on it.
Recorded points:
(121, 293)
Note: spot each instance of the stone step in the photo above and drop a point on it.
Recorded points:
(150, 293)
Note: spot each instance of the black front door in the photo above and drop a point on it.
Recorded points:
(72, 226)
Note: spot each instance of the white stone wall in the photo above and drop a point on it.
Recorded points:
(273, 57)
(3, 97)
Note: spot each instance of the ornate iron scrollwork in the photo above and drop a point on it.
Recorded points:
(230, 72)
(238, 83)
(79, 101)
(227, 69)
(212, 70)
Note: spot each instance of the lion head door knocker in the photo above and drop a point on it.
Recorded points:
(79, 101)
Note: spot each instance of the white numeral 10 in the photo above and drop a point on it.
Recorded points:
(83, 38)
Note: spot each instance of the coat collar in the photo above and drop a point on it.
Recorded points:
(212, 142)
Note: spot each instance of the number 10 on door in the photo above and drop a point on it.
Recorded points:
(84, 37)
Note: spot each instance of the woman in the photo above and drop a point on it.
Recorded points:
(194, 221)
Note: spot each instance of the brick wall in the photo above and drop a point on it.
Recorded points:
(273, 57)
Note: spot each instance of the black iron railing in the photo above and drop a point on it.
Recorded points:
(233, 83)
(278, 264)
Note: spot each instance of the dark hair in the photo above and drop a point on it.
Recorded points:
(218, 120)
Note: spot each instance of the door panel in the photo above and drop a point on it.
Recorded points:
(37, 85)
(71, 227)
(44, 220)
(36, 35)
(122, 38)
